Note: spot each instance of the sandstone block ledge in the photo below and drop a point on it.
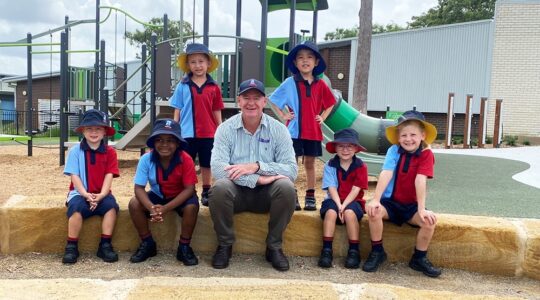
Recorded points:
(215, 288)
(489, 245)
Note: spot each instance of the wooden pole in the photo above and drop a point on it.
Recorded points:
(449, 119)
(497, 131)
(482, 123)
(468, 119)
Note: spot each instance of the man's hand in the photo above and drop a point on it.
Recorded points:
(319, 119)
(264, 180)
(235, 171)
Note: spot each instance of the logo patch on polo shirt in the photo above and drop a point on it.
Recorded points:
(264, 140)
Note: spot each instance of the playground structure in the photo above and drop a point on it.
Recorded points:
(90, 85)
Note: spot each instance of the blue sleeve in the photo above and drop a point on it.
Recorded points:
(283, 95)
(329, 178)
(72, 164)
(143, 169)
(391, 159)
(177, 96)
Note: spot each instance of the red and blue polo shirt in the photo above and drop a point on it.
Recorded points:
(406, 166)
(306, 101)
(166, 183)
(335, 176)
(197, 106)
(91, 166)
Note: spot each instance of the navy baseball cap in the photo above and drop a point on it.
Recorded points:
(251, 84)
(345, 136)
(94, 117)
(166, 126)
(291, 57)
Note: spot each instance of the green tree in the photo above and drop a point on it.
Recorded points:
(138, 37)
(455, 11)
(341, 33)
(379, 28)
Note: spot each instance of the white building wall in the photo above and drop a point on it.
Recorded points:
(515, 73)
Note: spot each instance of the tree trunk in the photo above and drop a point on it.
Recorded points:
(363, 57)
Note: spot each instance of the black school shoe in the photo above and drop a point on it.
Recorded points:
(277, 258)
(106, 252)
(221, 258)
(353, 259)
(185, 254)
(204, 199)
(145, 251)
(424, 265)
(71, 253)
(374, 260)
(297, 207)
(325, 261)
(310, 203)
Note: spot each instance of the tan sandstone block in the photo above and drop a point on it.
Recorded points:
(230, 288)
(531, 264)
(474, 243)
(30, 228)
(386, 291)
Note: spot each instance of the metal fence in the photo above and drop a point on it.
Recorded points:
(44, 123)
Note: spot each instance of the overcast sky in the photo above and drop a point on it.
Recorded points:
(36, 16)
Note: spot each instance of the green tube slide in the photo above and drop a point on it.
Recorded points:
(371, 130)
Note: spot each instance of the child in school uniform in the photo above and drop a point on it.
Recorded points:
(92, 165)
(170, 173)
(304, 101)
(345, 178)
(197, 106)
(401, 191)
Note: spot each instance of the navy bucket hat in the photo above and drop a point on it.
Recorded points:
(345, 136)
(166, 126)
(196, 48)
(291, 57)
(251, 84)
(94, 117)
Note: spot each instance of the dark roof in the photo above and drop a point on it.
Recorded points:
(300, 5)
(20, 78)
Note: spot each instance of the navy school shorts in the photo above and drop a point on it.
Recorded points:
(154, 198)
(330, 204)
(80, 205)
(399, 213)
(307, 147)
(202, 147)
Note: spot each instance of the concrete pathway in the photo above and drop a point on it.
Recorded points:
(530, 155)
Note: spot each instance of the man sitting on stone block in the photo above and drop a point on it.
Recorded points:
(254, 167)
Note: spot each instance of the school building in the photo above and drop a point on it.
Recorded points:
(497, 59)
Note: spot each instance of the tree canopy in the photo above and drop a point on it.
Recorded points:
(138, 37)
(454, 11)
(343, 33)
(446, 12)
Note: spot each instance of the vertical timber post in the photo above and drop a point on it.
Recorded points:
(449, 121)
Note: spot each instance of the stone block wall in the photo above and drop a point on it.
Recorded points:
(481, 244)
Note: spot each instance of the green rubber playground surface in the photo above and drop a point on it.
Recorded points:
(483, 186)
